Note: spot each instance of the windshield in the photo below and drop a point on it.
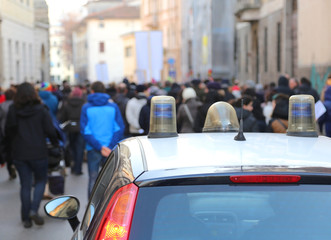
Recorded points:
(227, 212)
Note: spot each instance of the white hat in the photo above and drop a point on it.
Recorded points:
(189, 93)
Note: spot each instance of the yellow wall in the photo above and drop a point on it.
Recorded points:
(314, 32)
(18, 11)
(130, 63)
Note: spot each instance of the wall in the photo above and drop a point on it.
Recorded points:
(244, 70)
(42, 54)
(314, 41)
(18, 27)
(114, 54)
(130, 63)
(19, 12)
(270, 22)
(314, 33)
(18, 64)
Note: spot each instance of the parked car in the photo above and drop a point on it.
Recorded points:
(209, 185)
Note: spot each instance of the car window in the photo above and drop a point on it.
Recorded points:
(99, 189)
(225, 212)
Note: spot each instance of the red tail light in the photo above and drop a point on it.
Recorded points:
(116, 222)
(265, 179)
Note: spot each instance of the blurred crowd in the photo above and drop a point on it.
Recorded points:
(94, 117)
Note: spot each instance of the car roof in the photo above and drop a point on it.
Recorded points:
(260, 150)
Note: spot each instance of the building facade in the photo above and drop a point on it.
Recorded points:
(208, 39)
(197, 36)
(24, 42)
(97, 44)
(60, 63)
(41, 42)
(277, 37)
(165, 16)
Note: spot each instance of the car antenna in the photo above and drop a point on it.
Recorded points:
(240, 136)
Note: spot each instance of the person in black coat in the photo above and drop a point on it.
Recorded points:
(212, 97)
(305, 88)
(249, 121)
(69, 115)
(27, 126)
(257, 109)
(283, 86)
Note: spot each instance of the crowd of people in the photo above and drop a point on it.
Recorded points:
(96, 117)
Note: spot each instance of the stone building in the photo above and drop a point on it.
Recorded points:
(276, 37)
(208, 38)
(197, 36)
(41, 43)
(97, 44)
(24, 41)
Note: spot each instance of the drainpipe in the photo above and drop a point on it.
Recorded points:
(1, 54)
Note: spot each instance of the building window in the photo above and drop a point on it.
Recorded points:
(238, 54)
(17, 50)
(101, 47)
(279, 46)
(146, 7)
(128, 51)
(294, 5)
(101, 24)
(10, 57)
(266, 49)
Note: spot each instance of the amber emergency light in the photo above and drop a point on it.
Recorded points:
(221, 117)
(301, 117)
(163, 117)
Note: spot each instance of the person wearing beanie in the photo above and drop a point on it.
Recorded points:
(187, 111)
(306, 88)
(50, 100)
(283, 86)
(69, 114)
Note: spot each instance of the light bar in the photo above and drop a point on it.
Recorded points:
(265, 179)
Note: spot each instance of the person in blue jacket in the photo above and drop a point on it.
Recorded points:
(102, 126)
(48, 98)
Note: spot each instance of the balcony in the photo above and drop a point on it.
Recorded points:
(248, 10)
(151, 21)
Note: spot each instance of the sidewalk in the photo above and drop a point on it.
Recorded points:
(11, 227)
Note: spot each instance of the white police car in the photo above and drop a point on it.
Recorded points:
(208, 185)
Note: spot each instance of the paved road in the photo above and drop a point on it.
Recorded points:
(11, 227)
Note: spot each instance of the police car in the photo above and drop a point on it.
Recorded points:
(220, 184)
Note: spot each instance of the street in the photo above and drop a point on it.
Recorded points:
(11, 227)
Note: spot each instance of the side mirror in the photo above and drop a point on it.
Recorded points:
(64, 207)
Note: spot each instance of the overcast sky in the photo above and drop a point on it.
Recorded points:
(56, 8)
